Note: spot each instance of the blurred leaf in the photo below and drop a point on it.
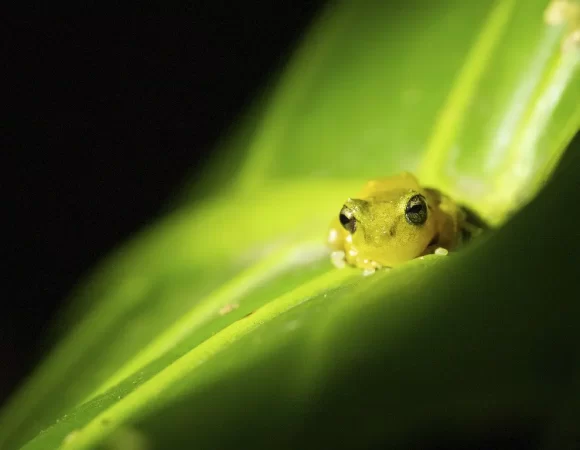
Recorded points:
(481, 98)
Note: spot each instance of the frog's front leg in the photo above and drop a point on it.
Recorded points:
(338, 259)
(356, 260)
(435, 249)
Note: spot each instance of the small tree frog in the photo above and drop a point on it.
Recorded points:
(394, 220)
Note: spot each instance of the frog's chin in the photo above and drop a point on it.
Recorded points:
(394, 260)
(431, 246)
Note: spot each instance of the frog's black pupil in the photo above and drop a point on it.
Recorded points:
(415, 209)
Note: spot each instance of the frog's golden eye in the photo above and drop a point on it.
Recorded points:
(347, 219)
(416, 210)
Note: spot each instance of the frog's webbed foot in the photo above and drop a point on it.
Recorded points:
(369, 267)
(435, 250)
(338, 259)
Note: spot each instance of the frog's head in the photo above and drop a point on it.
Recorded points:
(390, 228)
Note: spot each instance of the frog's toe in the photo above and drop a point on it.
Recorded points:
(441, 251)
(337, 258)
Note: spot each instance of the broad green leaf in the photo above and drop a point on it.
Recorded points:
(427, 344)
(480, 99)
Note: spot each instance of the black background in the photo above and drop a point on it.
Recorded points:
(106, 116)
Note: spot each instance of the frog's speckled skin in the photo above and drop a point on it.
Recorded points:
(385, 236)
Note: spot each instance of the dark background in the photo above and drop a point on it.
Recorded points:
(106, 116)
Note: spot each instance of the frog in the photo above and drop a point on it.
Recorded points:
(394, 220)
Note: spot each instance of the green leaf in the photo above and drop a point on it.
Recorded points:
(227, 317)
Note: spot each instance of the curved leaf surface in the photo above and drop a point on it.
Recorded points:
(481, 99)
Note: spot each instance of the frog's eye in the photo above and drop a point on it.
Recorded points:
(416, 210)
(347, 219)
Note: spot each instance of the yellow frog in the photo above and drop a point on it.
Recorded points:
(394, 220)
